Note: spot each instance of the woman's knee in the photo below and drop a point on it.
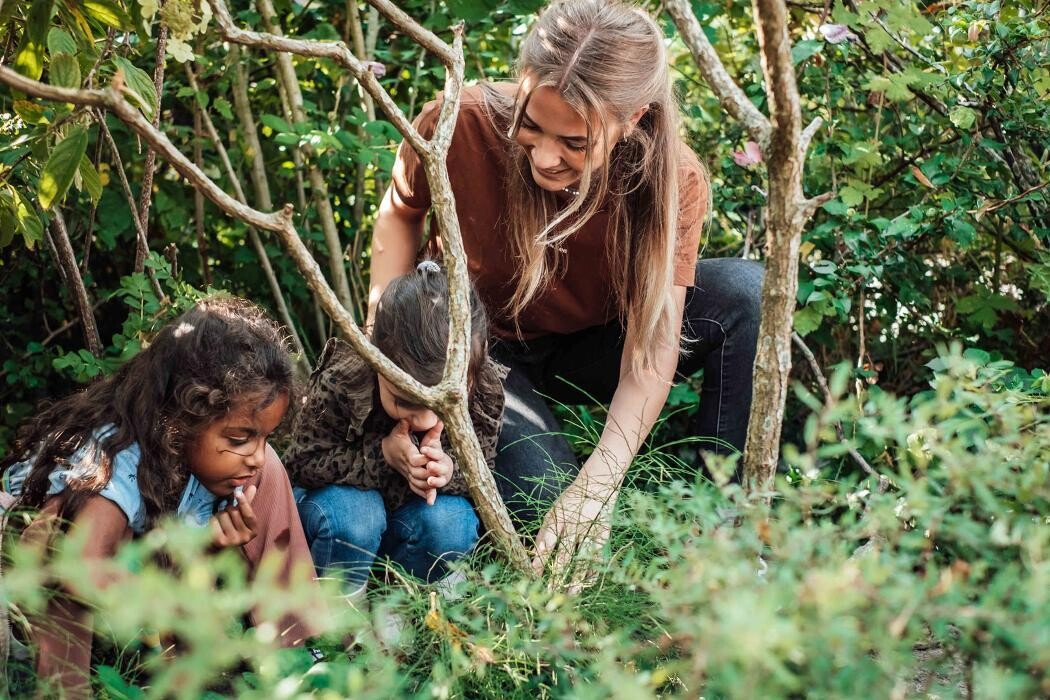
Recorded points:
(344, 513)
(728, 290)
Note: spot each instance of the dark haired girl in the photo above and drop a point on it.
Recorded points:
(181, 429)
(380, 478)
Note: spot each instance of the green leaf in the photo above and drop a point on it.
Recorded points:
(851, 196)
(835, 207)
(472, 10)
(223, 107)
(962, 117)
(276, 123)
(61, 166)
(8, 222)
(64, 70)
(30, 112)
(29, 61)
(108, 13)
(90, 179)
(28, 221)
(139, 85)
(58, 41)
(807, 320)
(286, 139)
(805, 49)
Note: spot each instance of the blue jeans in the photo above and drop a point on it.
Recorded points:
(347, 528)
(534, 462)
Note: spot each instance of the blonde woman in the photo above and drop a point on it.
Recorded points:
(581, 211)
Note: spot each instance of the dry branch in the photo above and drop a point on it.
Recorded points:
(448, 396)
(290, 84)
(822, 382)
(726, 90)
(784, 144)
(253, 234)
(146, 193)
(67, 261)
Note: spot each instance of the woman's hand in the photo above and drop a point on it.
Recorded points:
(577, 524)
(402, 454)
(235, 525)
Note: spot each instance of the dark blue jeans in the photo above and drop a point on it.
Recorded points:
(347, 528)
(534, 463)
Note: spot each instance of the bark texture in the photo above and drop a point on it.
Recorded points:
(448, 397)
(784, 144)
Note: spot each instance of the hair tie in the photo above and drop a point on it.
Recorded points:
(428, 266)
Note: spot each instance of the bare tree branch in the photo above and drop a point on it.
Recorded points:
(290, 82)
(140, 230)
(335, 51)
(67, 261)
(822, 382)
(784, 144)
(253, 234)
(146, 193)
(726, 90)
(448, 397)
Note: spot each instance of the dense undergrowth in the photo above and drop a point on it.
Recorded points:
(937, 142)
(700, 592)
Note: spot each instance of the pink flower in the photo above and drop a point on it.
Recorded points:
(751, 155)
(836, 33)
(378, 69)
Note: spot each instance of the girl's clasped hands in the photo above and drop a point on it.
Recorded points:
(427, 467)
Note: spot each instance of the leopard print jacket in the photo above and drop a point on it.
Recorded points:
(338, 432)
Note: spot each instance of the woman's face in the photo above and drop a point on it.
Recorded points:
(554, 137)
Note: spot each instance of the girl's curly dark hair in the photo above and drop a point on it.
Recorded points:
(199, 366)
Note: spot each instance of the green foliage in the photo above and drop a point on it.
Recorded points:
(700, 592)
(935, 142)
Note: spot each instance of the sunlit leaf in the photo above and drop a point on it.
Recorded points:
(108, 13)
(64, 71)
(138, 85)
(61, 166)
(29, 60)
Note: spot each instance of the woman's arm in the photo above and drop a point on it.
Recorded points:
(582, 513)
(395, 243)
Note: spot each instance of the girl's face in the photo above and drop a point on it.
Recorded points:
(420, 418)
(554, 137)
(232, 449)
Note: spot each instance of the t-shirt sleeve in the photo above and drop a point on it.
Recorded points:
(123, 488)
(693, 191)
(409, 176)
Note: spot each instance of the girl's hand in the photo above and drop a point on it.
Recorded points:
(439, 465)
(234, 526)
(402, 454)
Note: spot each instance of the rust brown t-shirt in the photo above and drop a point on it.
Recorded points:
(477, 167)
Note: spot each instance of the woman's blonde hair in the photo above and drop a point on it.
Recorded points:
(607, 60)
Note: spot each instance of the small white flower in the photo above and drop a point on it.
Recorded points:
(836, 33)
(179, 50)
(149, 8)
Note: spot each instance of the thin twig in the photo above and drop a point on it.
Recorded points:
(140, 232)
(68, 262)
(828, 402)
(146, 193)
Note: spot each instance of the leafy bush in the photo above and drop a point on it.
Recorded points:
(702, 592)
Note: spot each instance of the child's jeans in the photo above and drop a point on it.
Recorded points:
(347, 528)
